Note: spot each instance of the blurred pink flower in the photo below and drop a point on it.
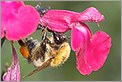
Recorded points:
(91, 50)
(13, 72)
(18, 20)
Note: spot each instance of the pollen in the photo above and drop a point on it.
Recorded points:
(24, 51)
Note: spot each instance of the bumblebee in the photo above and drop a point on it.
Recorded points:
(51, 51)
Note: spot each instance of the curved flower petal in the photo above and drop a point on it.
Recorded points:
(80, 35)
(81, 62)
(98, 50)
(18, 20)
(93, 56)
(13, 72)
(80, 38)
(89, 15)
(57, 20)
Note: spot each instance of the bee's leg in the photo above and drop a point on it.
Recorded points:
(43, 44)
(40, 26)
(44, 34)
(44, 65)
(45, 39)
(21, 43)
(59, 38)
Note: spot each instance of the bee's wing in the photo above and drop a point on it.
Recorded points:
(46, 64)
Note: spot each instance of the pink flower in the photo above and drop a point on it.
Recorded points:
(91, 50)
(13, 72)
(18, 20)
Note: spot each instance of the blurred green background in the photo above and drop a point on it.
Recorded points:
(111, 71)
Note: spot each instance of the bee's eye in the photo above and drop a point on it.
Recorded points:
(24, 51)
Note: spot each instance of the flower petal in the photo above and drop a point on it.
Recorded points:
(80, 39)
(80, 34)
(57, 20)
(19, 22)
(13, 72)
(82, 64)
(8, 8)
(89, 15)
(98, 51)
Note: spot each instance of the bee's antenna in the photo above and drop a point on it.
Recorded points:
(42, 10)
(38, 5)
